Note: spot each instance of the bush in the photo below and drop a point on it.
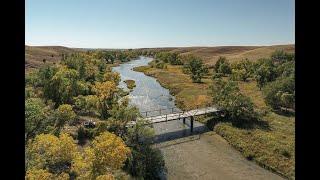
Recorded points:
(280, 56)
(280, 93)
(222, 66)
(196, 69)
(242, 70)
(265, 72)
(237, 107)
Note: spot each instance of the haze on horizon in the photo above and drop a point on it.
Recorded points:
(154, 23)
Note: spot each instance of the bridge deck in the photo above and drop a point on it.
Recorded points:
(174, 116)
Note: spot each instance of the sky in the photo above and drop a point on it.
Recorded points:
(159, 23)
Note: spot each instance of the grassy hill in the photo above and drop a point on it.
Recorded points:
(34, 55)
(233, 53)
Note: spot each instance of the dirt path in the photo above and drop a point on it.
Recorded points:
(209, 156)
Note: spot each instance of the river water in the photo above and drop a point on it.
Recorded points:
(149, 95)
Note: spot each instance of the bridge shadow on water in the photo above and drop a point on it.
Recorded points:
(179, 134)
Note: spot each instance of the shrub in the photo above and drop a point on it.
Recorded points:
(265, 72)
(196, 69)
(242, 70)
(236, 106)
(280, 93)
(222, 66)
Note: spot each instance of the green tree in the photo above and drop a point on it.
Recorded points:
(265, 72)
(64, 114)
(222, 66)
(62, 86)
(227, 96)
(242, 70)
(280, 93)
(145, 161)
(196, 69)
(279, 56)
(36, 117)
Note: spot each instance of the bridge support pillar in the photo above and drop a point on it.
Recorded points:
(184, 120)
(191, 124)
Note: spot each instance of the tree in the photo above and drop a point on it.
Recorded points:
(62, 86)
(242, 70)
(145, 161)
(121, 114)
(47, 151)
(36, 174)
(227, 96)
(196, 68)
(280, 93)
(112, 76)
(86, 104)
(222, 66)
(36, 117)
(265, 72)
(279, 56)
(110, 153)
(106, 93)
(64, 114)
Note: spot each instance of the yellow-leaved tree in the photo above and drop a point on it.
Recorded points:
(107, 153)
(110, 152)
(50, 152)
(106, 92)
(112, 76)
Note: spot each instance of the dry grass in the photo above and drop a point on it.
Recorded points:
(34, 55)
(210, 55)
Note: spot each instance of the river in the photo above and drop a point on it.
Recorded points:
(149, 95)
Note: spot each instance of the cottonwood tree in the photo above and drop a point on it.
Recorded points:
(222, 66)
(227, 96)
(106, 93)
(196, 69)
(280, 93)
(265, 72)
(36, 117)
(242, 70)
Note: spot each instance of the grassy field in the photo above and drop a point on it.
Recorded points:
(271, 147)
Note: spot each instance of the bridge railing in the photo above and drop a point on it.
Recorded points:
(171, 110)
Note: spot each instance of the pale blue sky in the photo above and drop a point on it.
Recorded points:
(159, 23)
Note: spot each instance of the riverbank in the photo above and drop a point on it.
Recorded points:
(272, 147)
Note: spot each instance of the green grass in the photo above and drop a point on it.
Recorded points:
(272, 147)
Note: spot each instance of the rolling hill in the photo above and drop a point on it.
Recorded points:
(233, 53)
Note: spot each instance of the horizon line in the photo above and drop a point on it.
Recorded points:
(276, 44)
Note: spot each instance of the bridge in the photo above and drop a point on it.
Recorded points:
(151, 118)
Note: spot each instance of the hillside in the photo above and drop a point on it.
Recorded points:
(233, 53)
(34, 55)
